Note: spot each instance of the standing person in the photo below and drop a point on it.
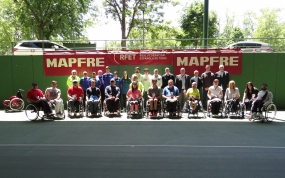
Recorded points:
(167, 76)
(84, 84)
(125, 83)
(207, 79)
(75, 95)
(53, 95)
(182, 82)
(93, 97)
(106, 78)
(112, 93)
(138, 74)
(146, 81)
(196, 79)
(102, 89)
(117, 79)
(223, 77)
(154, 97)
(96, 79)
(71, 78)
(158, 78)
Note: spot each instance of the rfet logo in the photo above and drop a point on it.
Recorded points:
(198, 61)
(62, 65)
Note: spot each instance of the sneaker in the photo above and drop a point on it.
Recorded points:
(174, 114)
(155, 114)
(151, 114)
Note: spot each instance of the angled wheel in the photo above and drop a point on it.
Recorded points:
(271, 111)
(17, 104)
(31, 112)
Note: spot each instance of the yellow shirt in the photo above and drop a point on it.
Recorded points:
(191, 92)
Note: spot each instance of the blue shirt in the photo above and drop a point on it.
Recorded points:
(118, 81)
(97, 82)
(125, 85)
(107, 78)
(84, 83)
(167, 91)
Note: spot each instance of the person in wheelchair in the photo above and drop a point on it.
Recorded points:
(232, 96)
(134, 97)
(193, 97)
(250, 94)
(52, 94)
(154, 96)
(75, 97)
(112, 93)
(36, 97)
(171, 94)
(93, 97)
(215, 94)
(264, 98)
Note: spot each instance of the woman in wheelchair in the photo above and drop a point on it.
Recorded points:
(75, 95)
(93, 97)
(171, 94)
(36, 97)
(215, 93)
(193, 97)
(134, 97)
(250, 94)
(154, 96)
(232, 96)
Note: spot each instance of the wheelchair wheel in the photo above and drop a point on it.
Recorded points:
(31, 112)
(17, 104)
(270, 112)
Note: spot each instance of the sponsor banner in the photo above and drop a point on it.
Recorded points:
(141, 57)
(62, 64)
(191, 61)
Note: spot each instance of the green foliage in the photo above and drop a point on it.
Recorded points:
(192, 25)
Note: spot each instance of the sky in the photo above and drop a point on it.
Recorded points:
(107, 29)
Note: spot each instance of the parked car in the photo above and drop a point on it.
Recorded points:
(250, 46)
(36, 47)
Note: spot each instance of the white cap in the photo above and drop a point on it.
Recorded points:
(73, 71)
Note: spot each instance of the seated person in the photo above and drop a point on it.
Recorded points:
(140, 85)
(112, 93)
(215, 93)
(36, 97)
(250, 94)
(53, 96)
(232, 95)
(154, 96)
(193, 96)
(171, 94)
(93, 97)
(264, 98)
(75, 95)
(134, 95)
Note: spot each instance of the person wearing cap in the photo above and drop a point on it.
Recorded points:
(158, 77)
(167, 76)
(75, 95)
(52, 94)
(96, 79)
(171, 94)
(36, 97)
(264, 98)
(124, 87)
(154, 96)
(84, 84)
(72, 77)
(138, 74)
(146, 82)
(93, 97)
(140, 85)
(112, 93)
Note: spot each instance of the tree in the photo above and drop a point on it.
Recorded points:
(129, 13)
(249, 24)
(54, 18)
(192, 25)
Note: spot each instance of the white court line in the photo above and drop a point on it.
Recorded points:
(186, 146)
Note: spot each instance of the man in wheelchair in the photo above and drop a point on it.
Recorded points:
(36, 97)
(75, 95)
(171, 94)
(154, 97)
(112, 94)
(93, 97)
(53, 96)
(264, 98)
(193, 97)
(215, 94)
(134, 97)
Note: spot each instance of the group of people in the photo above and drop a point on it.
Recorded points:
(150, 89)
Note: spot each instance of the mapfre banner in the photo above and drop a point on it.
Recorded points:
(191, 61)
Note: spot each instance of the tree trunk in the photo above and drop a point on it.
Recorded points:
(123, 26)
(40, 32)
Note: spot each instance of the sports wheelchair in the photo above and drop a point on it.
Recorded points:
(80, 109)
(106, 112)
(210, 107)
(33, 112)
(229, 109)
(60, 115)
(158, 112)
(268, 113)
(166, 113)
(195, 112)
(99, 110)
(140, 112)
(14, 103)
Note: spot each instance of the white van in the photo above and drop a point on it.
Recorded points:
(250, 46)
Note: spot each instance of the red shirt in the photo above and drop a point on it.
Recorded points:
(75, 91)
(33, 94)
